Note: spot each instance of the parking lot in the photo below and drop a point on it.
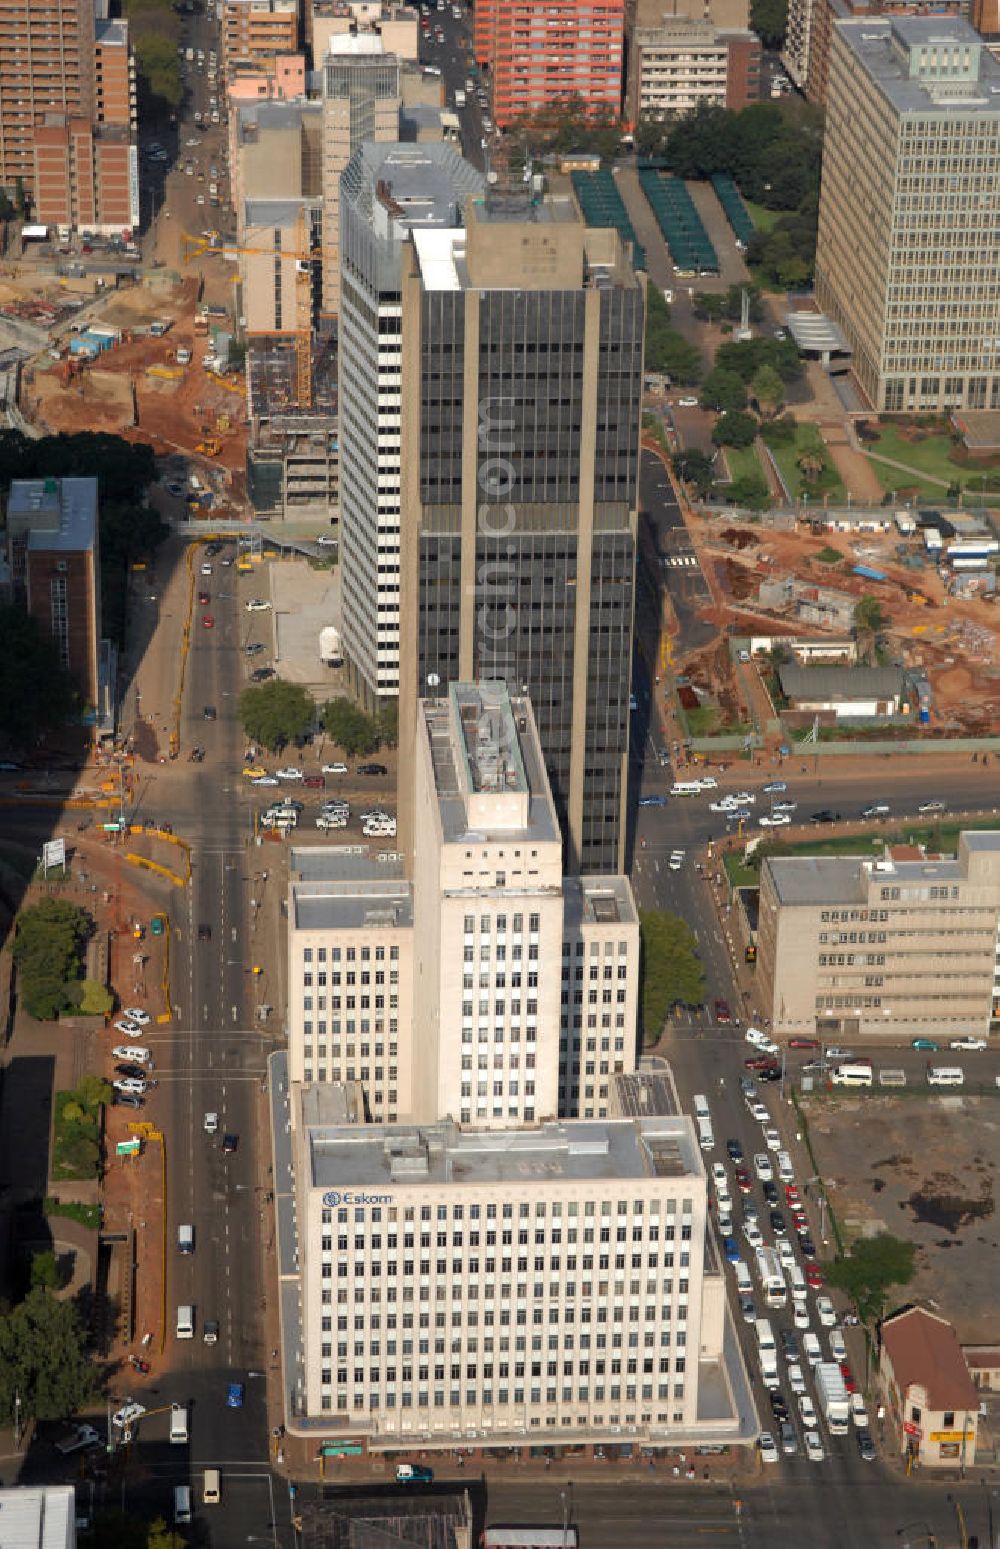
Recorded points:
(921, 1168)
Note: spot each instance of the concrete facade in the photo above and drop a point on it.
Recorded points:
(896, 949)
(513, 989)
(255, 33)
(471, 1287)
(911, 273)
(683, 63)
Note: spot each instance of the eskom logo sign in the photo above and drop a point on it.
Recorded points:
(334, 1197)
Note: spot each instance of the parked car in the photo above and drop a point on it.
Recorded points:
(929, 1045)
(261, 674)
(257, 605)
(967, 1043)
(129, 1028)
(776, 820)
(825, 816)
(372, 769)
(81, 1438)
(127, 1414)
(125, 1051)
(932, 806)
(289, 773)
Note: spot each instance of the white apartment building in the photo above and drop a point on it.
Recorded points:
(492, 1287)
(386, 190)
(492, 989)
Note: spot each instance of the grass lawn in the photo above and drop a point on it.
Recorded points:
(929, 460)
(763, 219)
(739, 873)
(786, 455)
(742, 460)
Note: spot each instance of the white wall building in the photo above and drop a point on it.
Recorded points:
(491, 1288)
(492, 990)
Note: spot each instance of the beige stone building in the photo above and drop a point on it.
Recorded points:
(910, 270)
(508, 992)
(255, 32)
(475, 1287)
(396, 25)
(897, 948)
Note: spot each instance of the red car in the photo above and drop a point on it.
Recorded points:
(722, 1012)
(803, 1043)
(792, 1194)
(203, 598)
(207, 621)
(814, 1276)
(762, 1062)
(314, 782)
(743, 1182)
(848, 1376)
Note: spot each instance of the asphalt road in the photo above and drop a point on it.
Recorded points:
(453, 57)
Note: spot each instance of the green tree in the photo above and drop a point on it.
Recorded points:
(388, 723)
(749, 490)
(767, 390)
(162, 1537)
(723, 390)
(869, 1269)
(870, 622)
(746, 356)
(734, 429)
(49, 946)
(275, 713)
(769, 20)
(158, 69)
(44, 1359)
(29, 656)
(671, 973)
(695, 468)
(349, 727)
(667, 351)
(44, 1271)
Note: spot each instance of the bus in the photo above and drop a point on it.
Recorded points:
(686, 788)
(772, 1277)
(530, 1538)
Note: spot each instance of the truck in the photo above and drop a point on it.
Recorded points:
(767, 1353)
(833, 1399)
(460, 98)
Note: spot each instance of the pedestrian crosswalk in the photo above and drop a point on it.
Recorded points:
(681, 561)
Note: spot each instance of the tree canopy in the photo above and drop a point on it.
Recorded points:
(671, 972)
(275, 713)
(769, 20)
(746, 356)
(49, 946)
(749, 490)
(44, 1359)
(867, 1271)
(723, 390)
(350, 728)
(696, 468)
(772, 149)
(667, 351)
(785, 255)
(767, 389)
(734, 428)
(37, 693)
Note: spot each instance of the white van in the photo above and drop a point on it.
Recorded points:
(786, 1171)
(211, 1493)
(811, 1348)
(945, 1075)
(851, 1075)
(701, 1105)
(182, 1504)
(706, 1134)
(744, 1279)
(178, 1424)
(797, 1283)
(686, 788)
(185, 1322)
(185, 1239)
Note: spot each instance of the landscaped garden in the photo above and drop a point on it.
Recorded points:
(936, 464)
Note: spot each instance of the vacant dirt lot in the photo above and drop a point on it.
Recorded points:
(923, 1169)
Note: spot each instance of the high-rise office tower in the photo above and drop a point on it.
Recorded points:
(908, 263)
(387, 190)
(522, 381)
(360, 102)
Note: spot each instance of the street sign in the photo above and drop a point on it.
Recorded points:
(128, 1148)
(53, 853)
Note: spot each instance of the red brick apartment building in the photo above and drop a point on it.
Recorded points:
(68, 114)
(539, 52)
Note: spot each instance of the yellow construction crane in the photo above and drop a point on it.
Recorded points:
(196, 247)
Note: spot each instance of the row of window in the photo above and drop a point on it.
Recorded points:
(475, 1399)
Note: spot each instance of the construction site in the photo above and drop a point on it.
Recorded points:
(938, 605)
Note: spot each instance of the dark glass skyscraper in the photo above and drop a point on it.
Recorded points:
(522, 380)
